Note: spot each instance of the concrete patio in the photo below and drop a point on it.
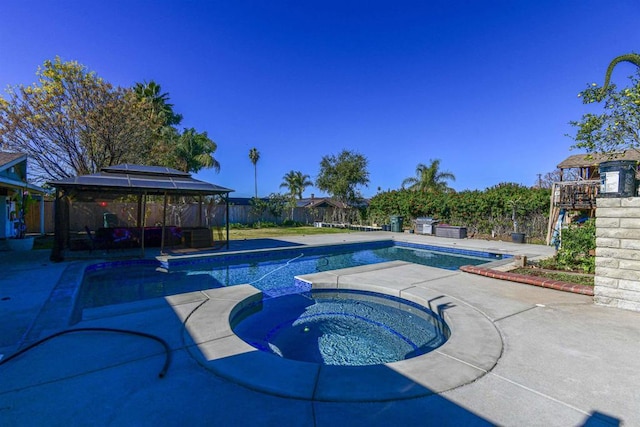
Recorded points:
(531, 356)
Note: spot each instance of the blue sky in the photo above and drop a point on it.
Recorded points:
(487, 87)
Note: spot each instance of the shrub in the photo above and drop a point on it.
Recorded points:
(577, 244)
(485, 212)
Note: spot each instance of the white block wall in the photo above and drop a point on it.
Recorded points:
(617, 281)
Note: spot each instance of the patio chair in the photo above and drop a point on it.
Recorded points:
(121, 237)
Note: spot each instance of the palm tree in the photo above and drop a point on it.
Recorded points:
(296, 182)
(254, 156)
(429, 179)
(194, 151)
(159, 102)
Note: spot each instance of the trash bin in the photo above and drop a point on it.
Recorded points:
(396, 223)
(518, 237)
(426, 225)
(110, 220)
(618, 178)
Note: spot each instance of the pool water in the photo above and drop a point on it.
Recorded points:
(347, 328)
(274, 277)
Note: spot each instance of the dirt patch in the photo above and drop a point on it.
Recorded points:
(564, 276)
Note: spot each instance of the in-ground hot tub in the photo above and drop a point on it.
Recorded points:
(340, 327)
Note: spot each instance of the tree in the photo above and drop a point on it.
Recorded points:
(547, 180)
(117, 130)
(340, 176)
(254, 156)
(633, 58)
(158, 102)
(71, 122)
(193, 151)
(617, 128)
(429, 179)
(189, 151)
(296, 182)
(273, 205)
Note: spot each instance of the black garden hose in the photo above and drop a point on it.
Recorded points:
(167, 349)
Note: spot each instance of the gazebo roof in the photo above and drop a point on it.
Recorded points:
(139, 179)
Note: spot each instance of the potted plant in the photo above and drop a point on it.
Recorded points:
(516, 237)
(20, 241)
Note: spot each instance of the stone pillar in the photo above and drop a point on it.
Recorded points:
(617, 280)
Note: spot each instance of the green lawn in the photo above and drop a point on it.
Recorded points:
(46, 242)
(258, 233)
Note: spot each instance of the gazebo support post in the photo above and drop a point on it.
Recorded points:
(139, 214)
(65, 202)
(42, 230)
(58, 242)
(142, 222)
(226, 202)
(164, 222)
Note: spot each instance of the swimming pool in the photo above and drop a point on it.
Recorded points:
(340, 327)
(271, 271)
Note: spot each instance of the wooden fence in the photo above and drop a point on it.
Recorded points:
(33, 217)
(92, 215)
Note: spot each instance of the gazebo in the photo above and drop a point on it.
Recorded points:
(129, 180)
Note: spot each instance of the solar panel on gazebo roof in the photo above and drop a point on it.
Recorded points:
(155, 180)
(113, 181)
(144, 169)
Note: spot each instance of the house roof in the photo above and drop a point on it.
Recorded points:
(313, 202)
(242, 201)
(585, 160)
(10, 159)
(325, 202)
(16, 180)
(321, 202)
(138, 179)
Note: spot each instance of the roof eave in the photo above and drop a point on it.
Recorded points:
(20, 185)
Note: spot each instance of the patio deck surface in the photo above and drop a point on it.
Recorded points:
(537, 356)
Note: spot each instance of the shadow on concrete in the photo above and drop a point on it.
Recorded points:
(599, 419)
(376, 395)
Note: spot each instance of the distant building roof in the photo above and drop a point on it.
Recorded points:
(242, 201)
(326, 202)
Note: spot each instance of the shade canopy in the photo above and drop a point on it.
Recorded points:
(139, 179)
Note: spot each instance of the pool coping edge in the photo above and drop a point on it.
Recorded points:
(472, 350)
